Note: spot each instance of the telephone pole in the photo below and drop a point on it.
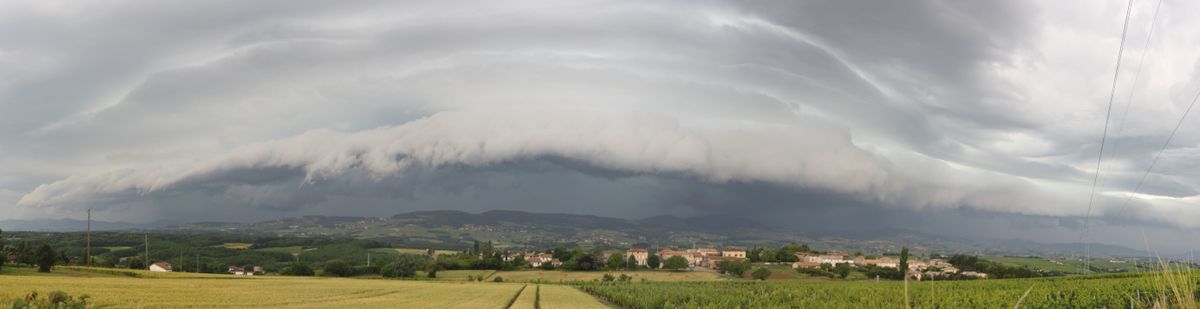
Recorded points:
(88, 253)
(146, 244)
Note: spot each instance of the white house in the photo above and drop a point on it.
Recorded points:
(162, 267)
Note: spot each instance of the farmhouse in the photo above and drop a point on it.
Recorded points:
(813, 260)
(638, 254)
(703, 257)
(879, 262)
(162, 267)
(693, 258)
(736, 252)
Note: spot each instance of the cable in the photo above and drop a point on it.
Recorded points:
(1104, 136)
(1137, 75)
(1157, 155)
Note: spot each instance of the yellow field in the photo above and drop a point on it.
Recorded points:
(236, 245)
(175, 290)
(563, 276)
(528, 298)
(461, 275)
(561, 296)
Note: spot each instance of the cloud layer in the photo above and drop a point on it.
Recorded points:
(160, 110)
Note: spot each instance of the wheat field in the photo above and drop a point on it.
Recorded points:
(179, 290)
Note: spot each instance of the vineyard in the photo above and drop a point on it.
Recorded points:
(1123, 291)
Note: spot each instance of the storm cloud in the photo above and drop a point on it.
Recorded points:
(154, 110)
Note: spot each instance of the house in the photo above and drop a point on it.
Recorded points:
(162, 267)
(693, 258)
(535, 261)
(881, 262)
(556, 263)
(638, 254)
(704, 251)
(737, 252)
(237, 270)
(258, 270)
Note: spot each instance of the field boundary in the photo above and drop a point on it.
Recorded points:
(513, 300)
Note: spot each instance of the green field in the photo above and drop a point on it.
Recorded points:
(410, 251)
(1105, 291)
(1068, 266)
(184, 290)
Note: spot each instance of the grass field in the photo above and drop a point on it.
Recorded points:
(236, 245)
(1068, 266)
(183, 290)
(410, 251)
(568, 276)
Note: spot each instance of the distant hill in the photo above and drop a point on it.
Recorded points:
(456, 229)
(69, 225)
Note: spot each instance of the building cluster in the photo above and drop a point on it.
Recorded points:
(702, 257)
(916, 268)
(243, 271)
(535, 259)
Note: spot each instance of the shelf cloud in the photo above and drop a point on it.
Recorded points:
(165, 110)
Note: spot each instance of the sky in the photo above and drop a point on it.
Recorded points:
(959, 117)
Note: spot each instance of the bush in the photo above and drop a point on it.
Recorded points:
(761, 273)
(56, 300)
(734, 268)
(498, 279)
(338, 268)
(815, 272)
(405, 266)
(298, 269)
(675, 263)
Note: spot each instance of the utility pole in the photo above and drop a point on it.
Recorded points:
(88, 254)
(368, 258)
(197, 263)
(146, 244)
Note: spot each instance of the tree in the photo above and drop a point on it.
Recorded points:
(46, 257)
(24, 252)
(631, 262)
(489, 249)
(136, 263)
(904, 259)
(653, 261)
(842, 270)
(762, 273)
(675, 263)
(405, 266)
(298, 269)
(734, 268)
(615, 261)
(338, 268)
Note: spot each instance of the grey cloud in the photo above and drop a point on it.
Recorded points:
(303, 107)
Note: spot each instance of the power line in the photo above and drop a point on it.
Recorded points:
(1137, 75)
(1153, 162)
(1104, 136)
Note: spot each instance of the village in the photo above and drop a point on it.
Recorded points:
(711, 259)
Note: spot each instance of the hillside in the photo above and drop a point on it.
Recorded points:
(456, 230)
